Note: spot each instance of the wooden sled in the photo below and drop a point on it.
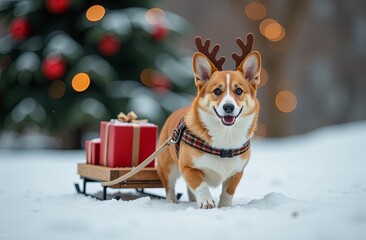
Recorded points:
(146, 178)
(139, 178)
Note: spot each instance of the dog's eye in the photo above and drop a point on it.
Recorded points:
(238, 91)
(217, 91)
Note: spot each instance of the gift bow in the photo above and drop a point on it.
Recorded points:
(131, 117)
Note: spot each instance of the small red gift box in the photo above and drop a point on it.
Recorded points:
(92, 148)
(126, 144)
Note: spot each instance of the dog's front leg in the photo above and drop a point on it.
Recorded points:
(228, 189)
(196, 182)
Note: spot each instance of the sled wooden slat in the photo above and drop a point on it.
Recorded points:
(147, 178)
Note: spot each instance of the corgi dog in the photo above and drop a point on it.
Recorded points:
(222, 118)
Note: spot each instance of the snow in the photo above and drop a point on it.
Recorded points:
(304, 187)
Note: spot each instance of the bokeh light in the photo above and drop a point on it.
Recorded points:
(255, 10)
(95, 13)
(280, 36)
(160, 83)
(286, 101)
(80, 82)
(265, 23)
(154, 16)
(272, 30)
(56, 89)
(147, 77)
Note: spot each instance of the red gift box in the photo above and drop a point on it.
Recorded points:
(92, 148)
(126, 144)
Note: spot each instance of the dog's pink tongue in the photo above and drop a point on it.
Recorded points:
(228, 120)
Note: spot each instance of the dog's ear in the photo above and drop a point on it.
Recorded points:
(251, 68)
(203, 69)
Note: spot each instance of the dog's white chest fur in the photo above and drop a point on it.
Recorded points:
(217, 169)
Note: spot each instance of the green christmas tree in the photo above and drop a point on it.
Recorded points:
(66, 65)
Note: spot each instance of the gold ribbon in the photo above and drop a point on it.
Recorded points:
(135, 144)
(89, 157)
(105, 150)
(131, 117)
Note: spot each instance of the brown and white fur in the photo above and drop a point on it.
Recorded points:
(224, 118)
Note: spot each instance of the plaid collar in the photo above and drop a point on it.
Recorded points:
(182, 133)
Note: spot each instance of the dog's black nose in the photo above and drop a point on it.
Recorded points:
(228, 107)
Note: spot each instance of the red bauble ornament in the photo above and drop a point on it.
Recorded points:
(53, 68)
(109, 45)
(57, 6)
(159, 32)
(162, 84)
(19, 28)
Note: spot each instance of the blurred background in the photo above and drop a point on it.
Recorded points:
(66, 65)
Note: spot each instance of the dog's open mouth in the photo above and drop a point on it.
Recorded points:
(227, 120)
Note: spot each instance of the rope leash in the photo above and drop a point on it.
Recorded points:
(142, 165)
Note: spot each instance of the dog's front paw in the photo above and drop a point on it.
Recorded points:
(225, 203)
(171, 198)
(174, 200)
(226, 200)
(206, 203)
(203, 197)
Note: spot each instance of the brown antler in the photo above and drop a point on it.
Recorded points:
(204, 48)
(245, 48)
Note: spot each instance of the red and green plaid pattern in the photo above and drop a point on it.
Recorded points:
(182, 133)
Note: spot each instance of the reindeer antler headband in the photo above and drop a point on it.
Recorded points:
(204, 48)
(245, 49)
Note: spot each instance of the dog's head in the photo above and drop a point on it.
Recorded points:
(227, 95)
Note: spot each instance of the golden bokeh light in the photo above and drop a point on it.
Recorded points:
(147, 77)
(263, 77)
(272, 30)
(280, 36)
(154, 15)
(264, 24)
(255, 10)
(56, 89)
(286, 101)
(80, 82)
(95, 13)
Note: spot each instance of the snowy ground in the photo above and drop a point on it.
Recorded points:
(306, 187)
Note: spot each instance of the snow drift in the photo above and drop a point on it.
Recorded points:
(304, 187)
